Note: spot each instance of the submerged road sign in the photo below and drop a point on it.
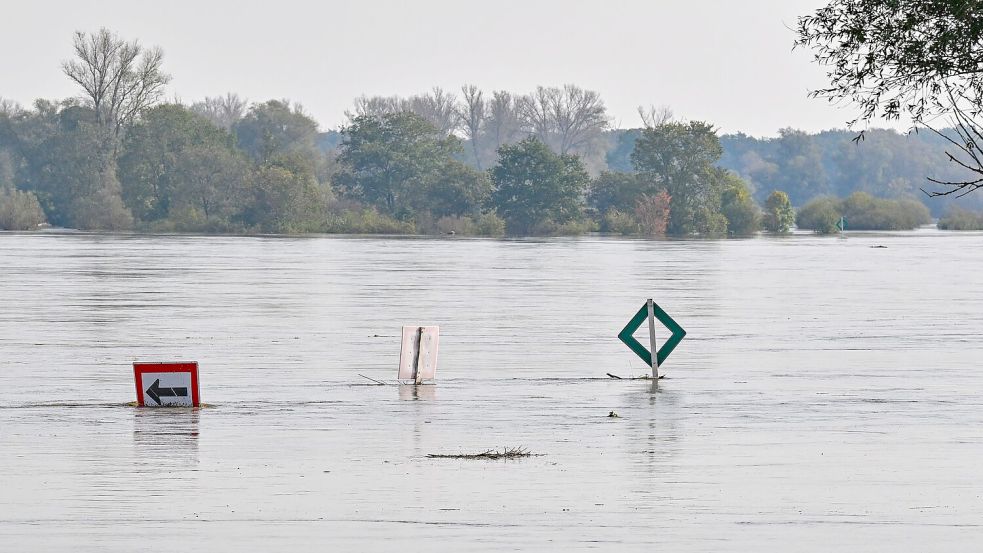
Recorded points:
(166, 384)
(418, 353)
(651, 311)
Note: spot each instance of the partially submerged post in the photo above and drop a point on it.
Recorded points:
(653, 359)
(418, 354)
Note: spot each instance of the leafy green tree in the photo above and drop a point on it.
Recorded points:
(19, 210)
(779, 215)
(618, 156)
(275, 129)
(8, 166)
(682, 157)
(536, 189)
(457, 190)
(820, 215)
(164, 157)
(620, 191)
(802, 172)
(389, 161)
(282, 199)
(736, 204)
(69, 168)
(209, 188)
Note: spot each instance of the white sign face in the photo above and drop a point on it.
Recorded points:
(418, 353)
(166, 389)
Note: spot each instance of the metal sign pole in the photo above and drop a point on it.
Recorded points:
(417, 375)
(655, 358)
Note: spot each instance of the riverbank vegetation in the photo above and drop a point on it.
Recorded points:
(961, 219)
(861, 211)
(546, 162)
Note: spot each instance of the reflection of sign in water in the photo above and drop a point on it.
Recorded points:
(651, 311)
(166, 384)
(418, 353)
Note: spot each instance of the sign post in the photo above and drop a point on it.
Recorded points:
(651, 311)
(653, 359)
(167, 384)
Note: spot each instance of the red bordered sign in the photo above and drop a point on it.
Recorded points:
(166, 384)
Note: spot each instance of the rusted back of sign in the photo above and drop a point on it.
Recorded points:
(418, 353)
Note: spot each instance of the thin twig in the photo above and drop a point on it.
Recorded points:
(379, 382)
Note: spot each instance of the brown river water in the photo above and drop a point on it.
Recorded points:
(828, 395)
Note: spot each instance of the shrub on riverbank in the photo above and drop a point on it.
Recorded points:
(862, 212)
(779, 214)
(365, 221)
(819, 214)
(20, 211)
(650, 217)
(961, 219)
(865, 212)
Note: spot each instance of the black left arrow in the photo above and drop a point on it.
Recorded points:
(156, 392)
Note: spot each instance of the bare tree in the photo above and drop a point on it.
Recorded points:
(653, 116)
(964, 139)
(504, 123)
(569, 119)
(374, 106)
(9, 108)
(472, 115)
(536, 112)
(222, 111)
(437, 107)
(119, 78)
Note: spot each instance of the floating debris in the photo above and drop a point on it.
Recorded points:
(506, 453)
(643, 377)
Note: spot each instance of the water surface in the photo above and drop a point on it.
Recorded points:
(827, 397)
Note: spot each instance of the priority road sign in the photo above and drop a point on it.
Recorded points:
(167, 384)
(651, 311)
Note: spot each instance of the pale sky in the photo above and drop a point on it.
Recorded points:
(729, 62)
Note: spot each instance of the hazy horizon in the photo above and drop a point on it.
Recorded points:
(729, 64)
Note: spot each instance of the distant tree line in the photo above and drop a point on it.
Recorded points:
(885, 163)
(547, 162)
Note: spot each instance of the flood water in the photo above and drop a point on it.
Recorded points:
(828, 395)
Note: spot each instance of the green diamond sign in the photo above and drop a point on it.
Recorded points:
(647, 312)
